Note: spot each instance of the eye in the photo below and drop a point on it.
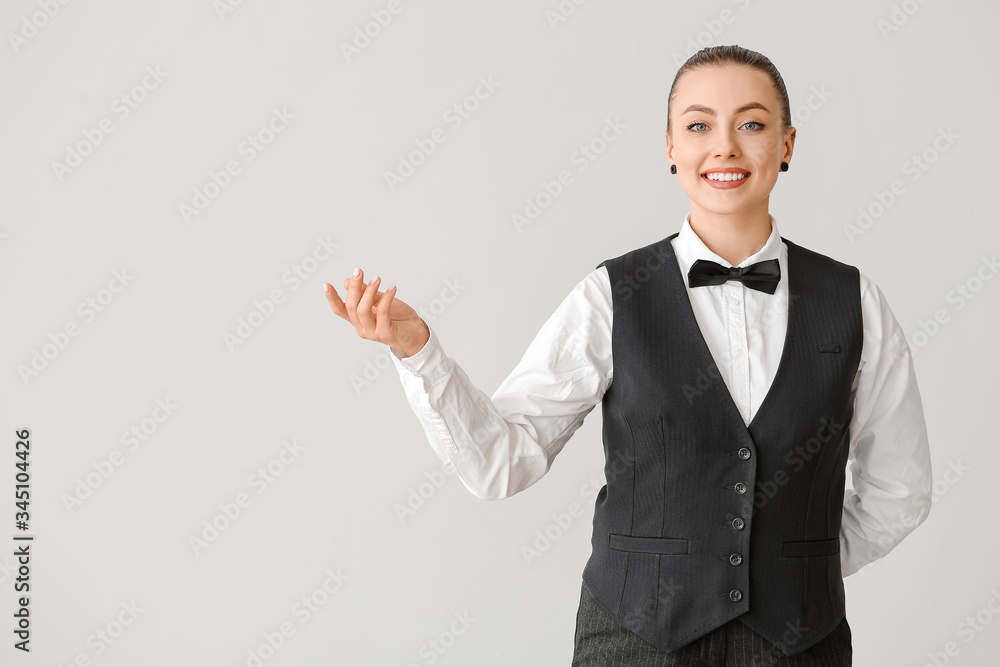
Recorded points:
(758, 126)
(692, 125)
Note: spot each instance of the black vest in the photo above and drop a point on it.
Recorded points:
(704, 519)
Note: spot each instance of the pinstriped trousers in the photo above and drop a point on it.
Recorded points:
(601, 642)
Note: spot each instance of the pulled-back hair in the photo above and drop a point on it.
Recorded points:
(734, 55)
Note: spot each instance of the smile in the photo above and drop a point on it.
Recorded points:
(726, 178)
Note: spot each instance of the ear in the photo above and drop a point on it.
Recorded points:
(789, 144)
(670, 147)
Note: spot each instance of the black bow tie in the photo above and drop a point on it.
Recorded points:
(761, 276)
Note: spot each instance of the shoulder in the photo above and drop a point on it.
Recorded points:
(879, 320)
(588, 300)
(825, 274)
(651, 253)
(817, 257)
(594, 288)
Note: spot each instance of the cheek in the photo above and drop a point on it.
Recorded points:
(761, 153)
(682, 149)
(688, 155)
(770, 146)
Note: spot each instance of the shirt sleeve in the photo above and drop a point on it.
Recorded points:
(500, 446)
(889, 490)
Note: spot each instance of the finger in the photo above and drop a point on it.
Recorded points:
(336, 305)
(353, 296)
(365, 313)
(348, 281)
(347, 286)
(383, 326)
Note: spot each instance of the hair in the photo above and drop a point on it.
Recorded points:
(734, 55)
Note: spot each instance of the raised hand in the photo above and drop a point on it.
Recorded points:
(379, 316)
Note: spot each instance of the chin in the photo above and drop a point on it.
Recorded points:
(729, 208)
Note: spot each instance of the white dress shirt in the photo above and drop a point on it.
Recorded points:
(501, 445)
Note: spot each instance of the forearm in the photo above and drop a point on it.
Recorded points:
(494, 458)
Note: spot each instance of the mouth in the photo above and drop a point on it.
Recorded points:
(728, 178)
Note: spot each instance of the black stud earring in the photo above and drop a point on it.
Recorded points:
(784, 166)
(673, 169)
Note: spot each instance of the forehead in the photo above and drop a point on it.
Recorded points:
(725, 87)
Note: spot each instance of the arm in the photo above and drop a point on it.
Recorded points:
(889, 459)
(500, 446)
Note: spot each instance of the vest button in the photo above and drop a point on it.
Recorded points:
(735, 595)
(744, 453)
(736, 559)
(740, 487)
(738, 523)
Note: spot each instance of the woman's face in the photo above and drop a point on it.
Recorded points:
(726, 122)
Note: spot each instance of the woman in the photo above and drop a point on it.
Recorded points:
(742, 376)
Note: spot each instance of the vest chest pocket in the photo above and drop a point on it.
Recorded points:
(672, 546)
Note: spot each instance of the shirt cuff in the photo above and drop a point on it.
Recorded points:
(428, 362)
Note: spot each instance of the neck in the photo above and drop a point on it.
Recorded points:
(735, 236)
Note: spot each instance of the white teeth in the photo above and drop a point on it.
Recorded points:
(717, 176)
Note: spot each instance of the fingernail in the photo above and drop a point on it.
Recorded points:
(357, 272)
(373, 280)
(326, 288)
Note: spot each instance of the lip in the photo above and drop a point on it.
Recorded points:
(726, 185)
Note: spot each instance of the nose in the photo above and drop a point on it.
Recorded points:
(726, 143)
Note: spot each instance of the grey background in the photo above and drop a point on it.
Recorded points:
(884, 96)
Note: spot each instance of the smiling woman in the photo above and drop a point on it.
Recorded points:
(741, 377)
(733, 134)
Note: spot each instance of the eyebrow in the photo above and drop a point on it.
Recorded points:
(711, 112)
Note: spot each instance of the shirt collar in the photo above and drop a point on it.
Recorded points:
(689, 247)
